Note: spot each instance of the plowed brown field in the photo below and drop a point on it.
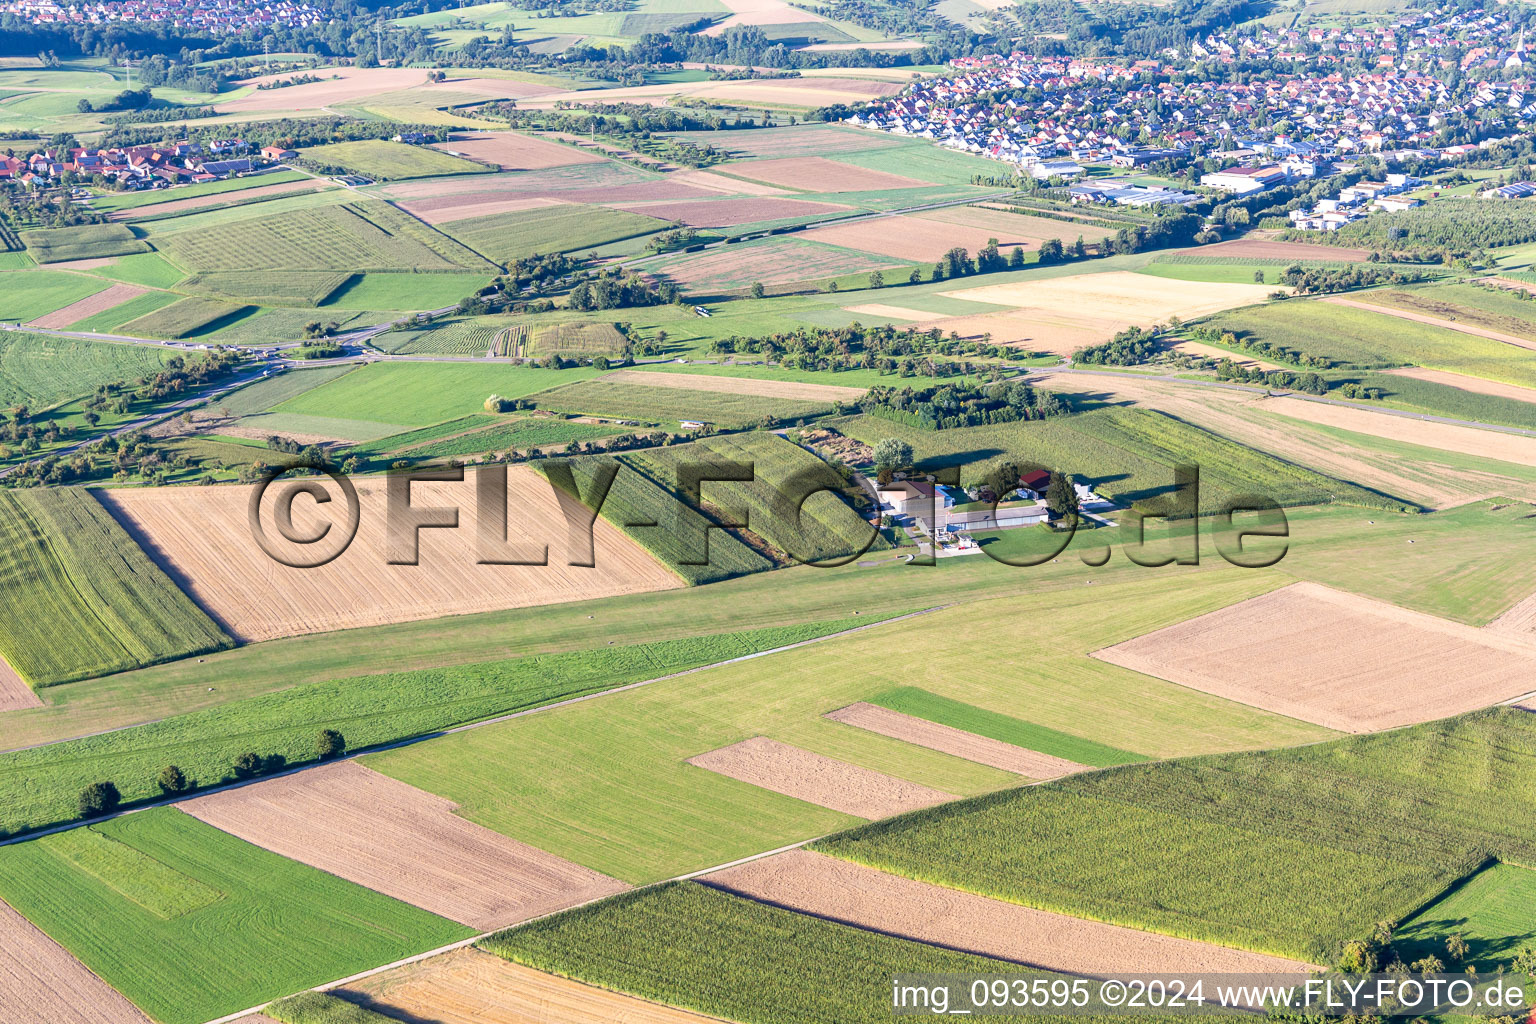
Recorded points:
(736, 385)
(469, 986)
(40, 983)
(445, 209)
(818, 174)
(981, 749)
(512, 151)
(1403, 667)
(15, 694)
(841, 891)
(727, 213)
(912, 238)
(202, 535)
(403, 842)
(809, 776)
(88, 306)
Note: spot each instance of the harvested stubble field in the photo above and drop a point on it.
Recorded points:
(353, 237)
(91, 305)
(203, 534)
(793, 390)
(1295, 252)
(1006, 226)
(710, 181)
(971, 746)
(355, 85)
(837, 890)
(772, 262)
(804, 92)
(1288, 851)
(163, 902)
(513, 151)
(390, 161)
(216, 199)
(1405, 666)
(1137, 298)
(911, 237)
(39, 978)
(403, 842)
(470, 986)
(1487, 444)
(814, 778)
(1058, 332)
(446, 209)
(819, 174)
(793, 140)
(726, 213)
(96, 604)
(657, 401)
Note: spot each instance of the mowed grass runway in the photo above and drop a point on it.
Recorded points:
(627, 804)
(191, 923)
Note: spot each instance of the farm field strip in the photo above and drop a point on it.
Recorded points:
(1295, 252)
(217, 199)
(1408, 667)
(1433, 321)
(514, 151)
(15, 694)
(403, 842)
(89, 306)
(793, 390)
(817, 779)
(470, 986)
(1120, 294)
(1485, 441)
(981, 749)
(204, 533)
(1465, 382)
(40, 977)
(863, 897)
(816, 173)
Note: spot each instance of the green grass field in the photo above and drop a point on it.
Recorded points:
(185, 318)
(94, 602)
(147, 268)
(692, 946)
(627, 803)
(425, 435)
(31, 293)
(88, 241)
(352, 237)
(390, 161)
(159, 937)
(911, 700)
(1290, 851)
(41, 785)
(1364, 340)
(503, 237)
(273, 391)
(663, 405)
(419, 394)
(111, 202)
(108, 320)
(271, 326)
(1494, 309)
(521, 434)
(40, 370)
(1494, 910)
(267, 288)
(404, 291)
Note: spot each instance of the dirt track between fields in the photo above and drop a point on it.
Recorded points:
(981, 749)
(391, 837)
(816, 779)
(813, 883)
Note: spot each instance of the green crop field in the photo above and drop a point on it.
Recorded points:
(108, 320)
(1494, 309)
(1128, 455)
(1364, 340)
(827, 528)
(692, 946)
(272, 326)
(425, 435)
(663, 405)
(910, 700)
(521, 434)
(152, 937)
(1446, 400)
(578, 339)
(184, 318)
(111, 202)
(1286, 851)
(447, 336)
(405, 291)
(94, 602)
(629, 805)
(273, 391)
(670, 530)
(267, 288)
(357, 236)
(147, 268)
(503, 237)
(322, 1008)
(419, 394)
(40, 370)
(41, 785)
(389, 161)
(29, 294)
(88, 241)
(1494, 910)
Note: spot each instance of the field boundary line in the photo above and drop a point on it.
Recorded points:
(422, 738)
